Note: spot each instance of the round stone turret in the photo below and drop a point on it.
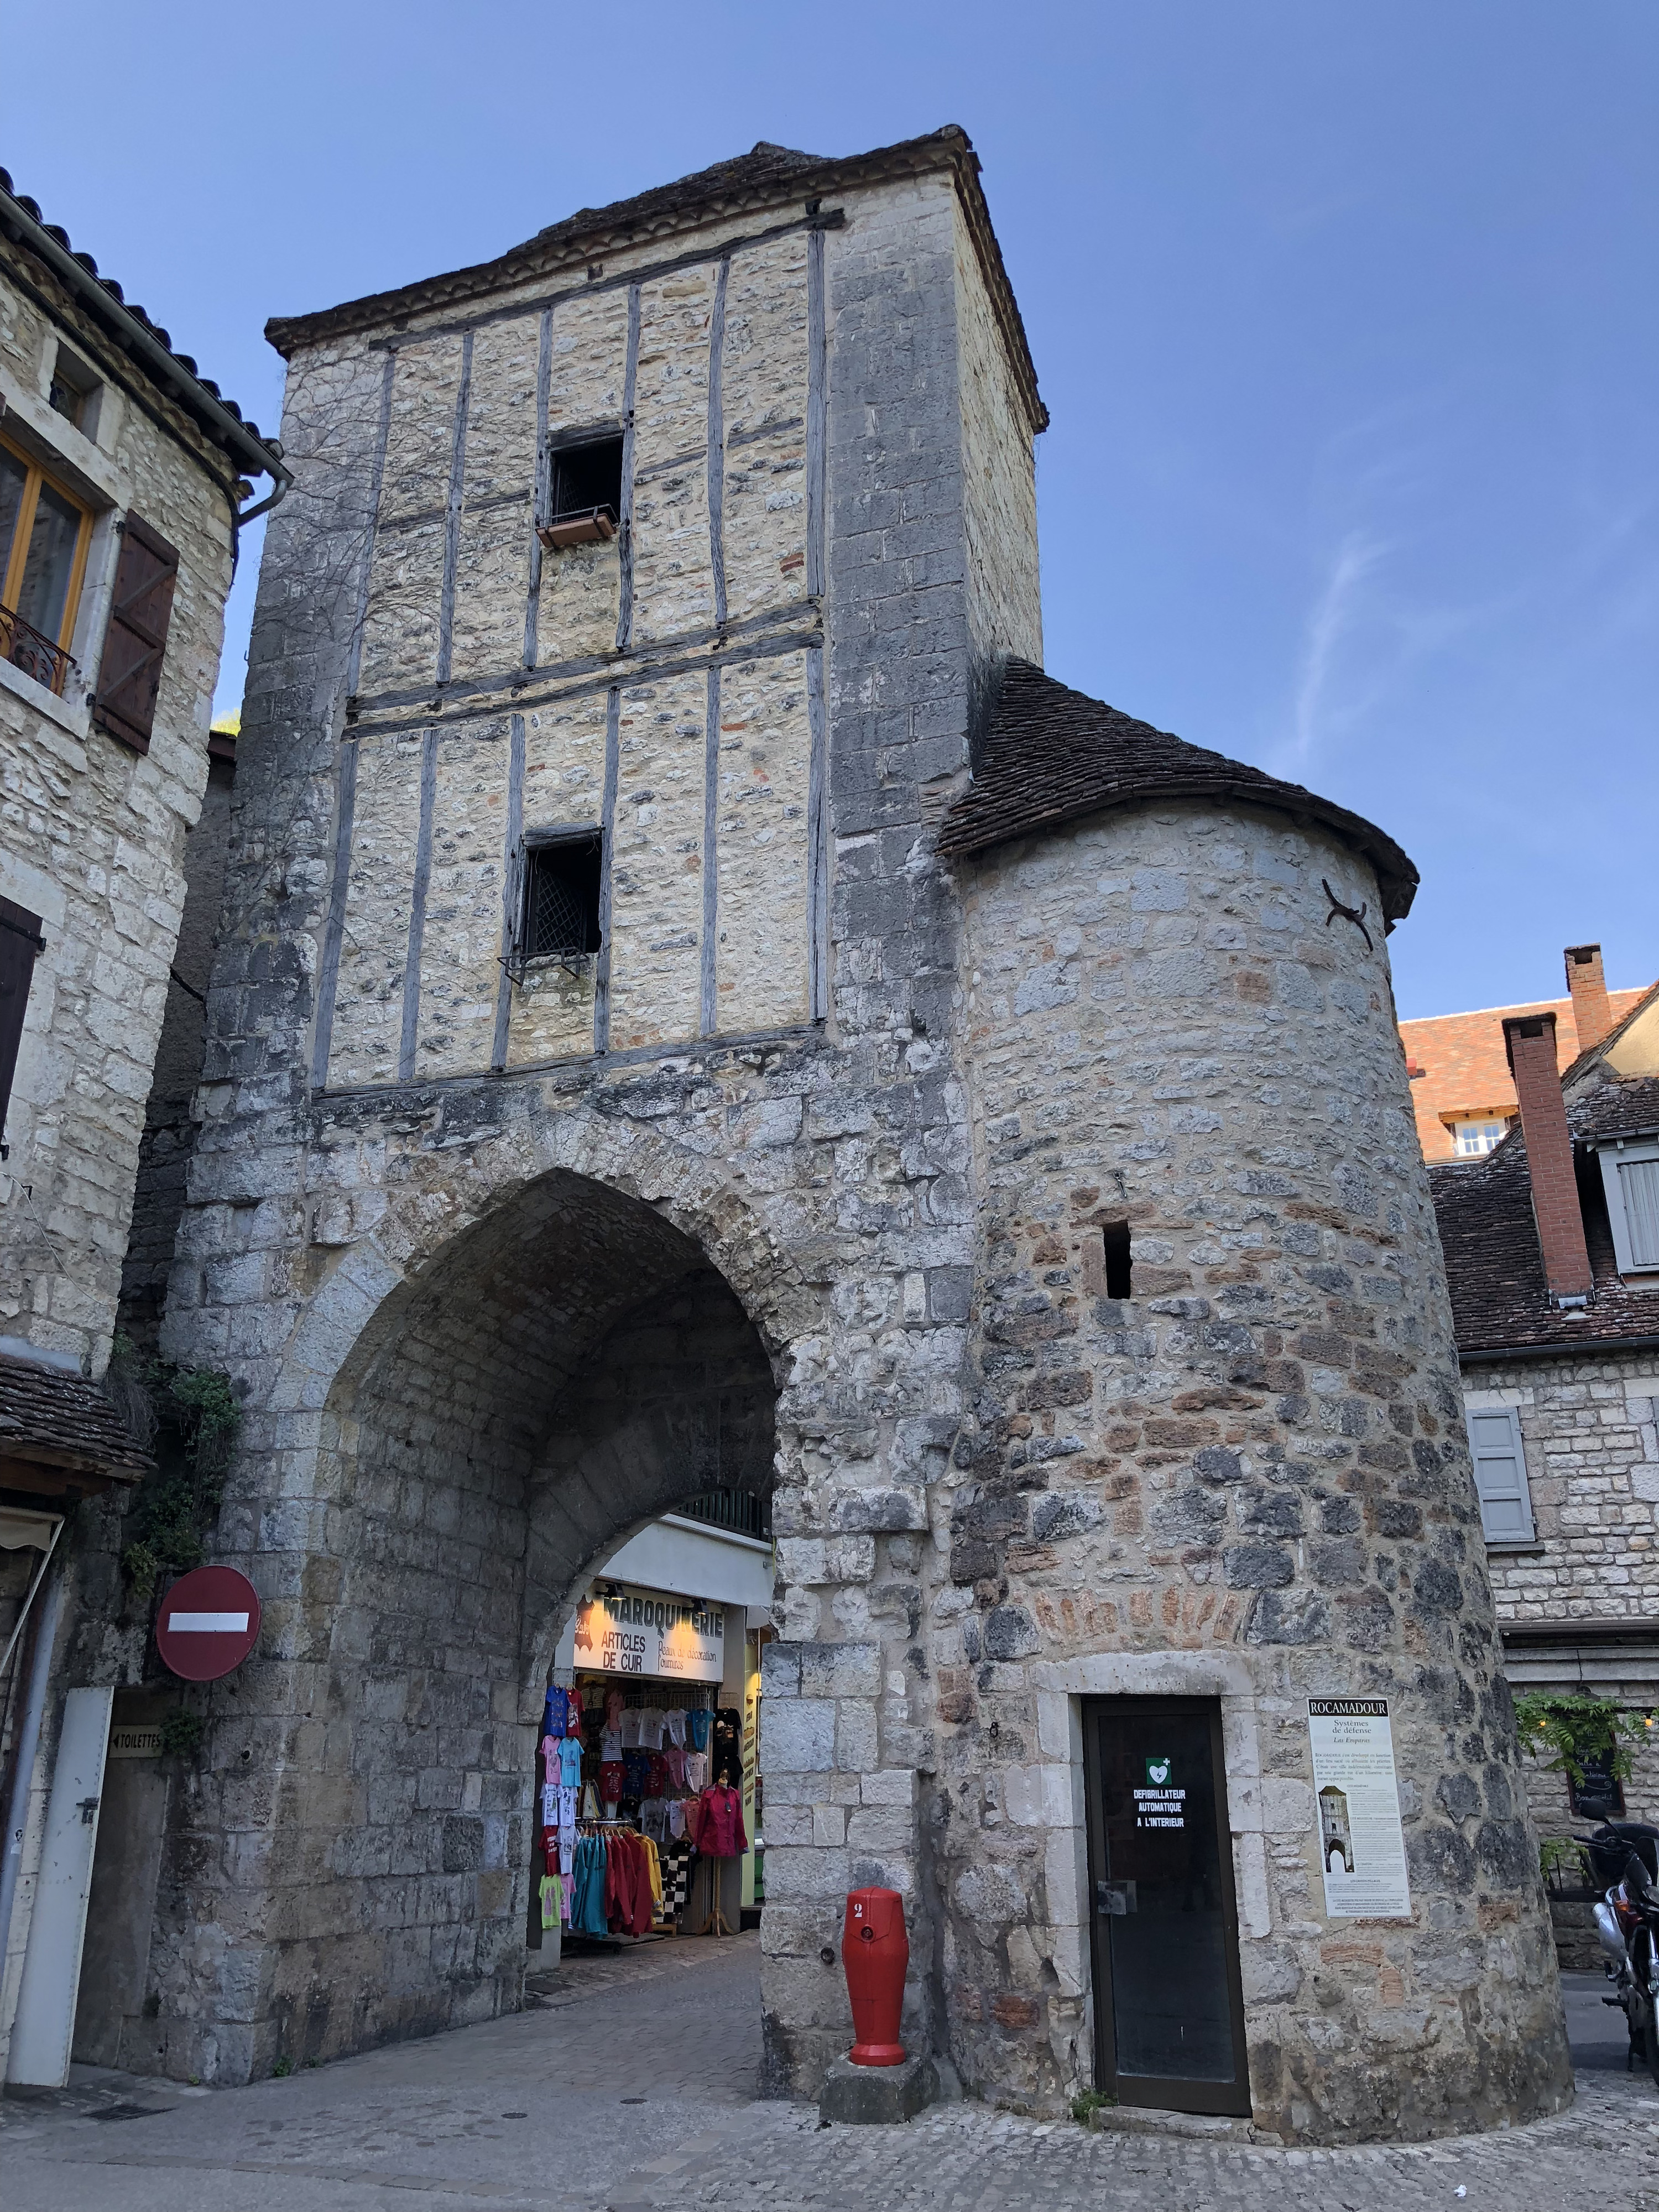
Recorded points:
(1218, 1452)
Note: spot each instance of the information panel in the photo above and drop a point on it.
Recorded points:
(639, 1632)
(1362, 1851)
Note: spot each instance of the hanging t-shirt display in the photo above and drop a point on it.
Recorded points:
(570, 1763)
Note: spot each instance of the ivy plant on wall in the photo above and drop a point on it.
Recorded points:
(189, 1418)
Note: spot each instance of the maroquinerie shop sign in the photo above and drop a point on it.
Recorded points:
(641, 1631)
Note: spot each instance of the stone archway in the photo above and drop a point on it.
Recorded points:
(563, 1371)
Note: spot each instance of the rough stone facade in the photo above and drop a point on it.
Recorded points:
(92, 836)
(94, 833)
(1247, 1479)
(801, 1179)
(1587, 1429)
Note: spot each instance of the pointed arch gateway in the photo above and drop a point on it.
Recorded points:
(561, 1373)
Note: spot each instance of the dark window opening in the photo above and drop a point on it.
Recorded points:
(20, 941)
(1599, 1787)
(561, 898)
(587, 479)
(73, 392)
(1115, 1237)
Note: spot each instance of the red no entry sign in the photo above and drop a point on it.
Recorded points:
(209, 1622)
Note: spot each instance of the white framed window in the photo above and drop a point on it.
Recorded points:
(1500, 1475)
(1473, 1140)
(1630, 1176)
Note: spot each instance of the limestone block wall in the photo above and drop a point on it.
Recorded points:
(1588, 1430)
(706, 776)
(1247, 1479)
(169, 1132)
(999, 466)
(92, 839)
(821, 1169)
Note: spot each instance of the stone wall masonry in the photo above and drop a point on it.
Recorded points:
(1587, 1429)
(999, 467)
(400, 1275)
(1256, 1461)
(656, 871)
(493, 539)
(1589, 1433)
(92, 838)
(169, 1132)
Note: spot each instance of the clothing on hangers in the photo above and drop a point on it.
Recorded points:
(570, 1762)
(698, 1723)
(636, 1774)
(653, 1875)
(587, 1912)
(674, 1719)
(613, 1708)
(696, 1771)
(555, 1710)
(552, 1899)
(628, 1885)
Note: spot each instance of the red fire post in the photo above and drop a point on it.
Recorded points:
(875, 1951)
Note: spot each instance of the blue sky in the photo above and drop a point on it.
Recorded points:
(1345, 315)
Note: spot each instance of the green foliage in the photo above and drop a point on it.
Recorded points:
(182, 1732)
(190, 1417)
(283, 2066)
(1573, 1727)
(1563, 1863)
(1088, 2102)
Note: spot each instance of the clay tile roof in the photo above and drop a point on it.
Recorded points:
(187, 366)
(49, 1419)
(1494, 1268)
(1051, 755)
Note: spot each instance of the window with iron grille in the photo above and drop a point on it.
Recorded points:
(561, 919)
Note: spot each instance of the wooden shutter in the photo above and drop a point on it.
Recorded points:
(137, 635)
(1500, 1475)
(20, 940)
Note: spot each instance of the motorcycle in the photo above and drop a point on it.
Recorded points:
(1627, 1926)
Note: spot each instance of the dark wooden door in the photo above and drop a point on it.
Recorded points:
(1169, 2010)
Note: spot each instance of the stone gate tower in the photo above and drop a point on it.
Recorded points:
(696, 1002)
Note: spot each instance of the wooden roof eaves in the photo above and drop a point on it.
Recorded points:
(950, 147)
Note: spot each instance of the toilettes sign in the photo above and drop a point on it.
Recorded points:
(639, 1631)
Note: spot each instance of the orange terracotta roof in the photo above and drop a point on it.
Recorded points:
(1464, 1074)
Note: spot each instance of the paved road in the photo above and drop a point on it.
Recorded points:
(630, 2088)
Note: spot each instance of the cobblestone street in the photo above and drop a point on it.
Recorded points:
(629, 2086)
